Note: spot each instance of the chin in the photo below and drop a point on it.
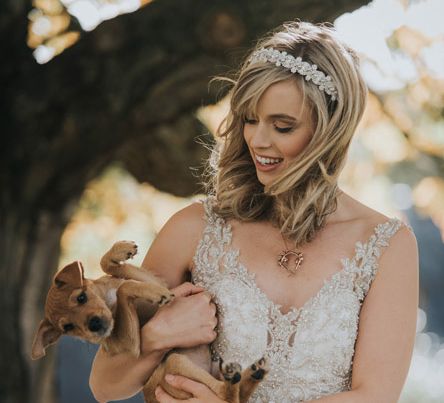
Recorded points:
(263, 181)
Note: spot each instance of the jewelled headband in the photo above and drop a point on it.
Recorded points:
(296, 65)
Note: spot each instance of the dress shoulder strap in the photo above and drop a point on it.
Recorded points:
(367, 254)
(216, 225)
(211, 249)
(208, 203)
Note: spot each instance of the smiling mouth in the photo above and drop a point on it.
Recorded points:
(267, 160)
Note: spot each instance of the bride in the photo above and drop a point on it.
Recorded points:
(322, 285)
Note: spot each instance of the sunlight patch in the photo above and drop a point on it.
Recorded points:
(51, 29)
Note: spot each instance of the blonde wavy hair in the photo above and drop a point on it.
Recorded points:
(299, 201)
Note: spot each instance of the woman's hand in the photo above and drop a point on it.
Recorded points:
(200, 392)
(188, 321)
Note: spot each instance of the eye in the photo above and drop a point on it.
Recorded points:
(283, 129)
(68, 327)
(82, 298)
(249, 121)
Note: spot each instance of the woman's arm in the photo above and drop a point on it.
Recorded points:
(120, 376)
(188, 321)
(171, 254)
(387, 327)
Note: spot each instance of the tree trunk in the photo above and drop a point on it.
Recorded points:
(128, 90)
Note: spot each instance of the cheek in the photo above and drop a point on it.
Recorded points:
(247, 133)
(292, 147)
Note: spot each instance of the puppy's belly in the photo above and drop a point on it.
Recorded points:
(201, 356)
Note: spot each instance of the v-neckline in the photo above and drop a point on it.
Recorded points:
(297, 311)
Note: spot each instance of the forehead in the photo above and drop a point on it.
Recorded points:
(283, 97)
(58, 301)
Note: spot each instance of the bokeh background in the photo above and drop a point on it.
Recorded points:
(106, 120)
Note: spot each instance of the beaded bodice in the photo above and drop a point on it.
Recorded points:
(309, 349)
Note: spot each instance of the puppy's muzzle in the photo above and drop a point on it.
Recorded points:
(98, 325)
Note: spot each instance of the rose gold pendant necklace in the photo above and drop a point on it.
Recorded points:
(285, 256)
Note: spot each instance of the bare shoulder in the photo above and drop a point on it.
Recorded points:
(365, 219)
(171, 253)
(190, 219)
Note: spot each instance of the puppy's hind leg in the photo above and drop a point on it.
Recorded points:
(251, 378)
(232, 376)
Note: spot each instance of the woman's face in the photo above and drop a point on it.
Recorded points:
(280, 131)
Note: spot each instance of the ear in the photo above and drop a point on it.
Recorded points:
(46, 335)
(71, 274)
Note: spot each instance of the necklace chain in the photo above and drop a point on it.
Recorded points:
(284, 257)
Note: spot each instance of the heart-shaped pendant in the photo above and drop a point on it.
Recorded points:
(284, 260)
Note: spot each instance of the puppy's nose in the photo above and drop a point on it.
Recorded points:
(95, 324)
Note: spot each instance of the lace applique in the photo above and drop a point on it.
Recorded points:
(310, 349)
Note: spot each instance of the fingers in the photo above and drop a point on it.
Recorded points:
(196, 389)
(213, 323)
(209, 312)
(186, 289)
(203, 297)
(207, 296)
(213, 318)
(213, 308)
(164, 397)
(199, 391)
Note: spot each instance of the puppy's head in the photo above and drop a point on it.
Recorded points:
(73, 308)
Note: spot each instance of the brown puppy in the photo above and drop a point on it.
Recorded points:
(111, 310)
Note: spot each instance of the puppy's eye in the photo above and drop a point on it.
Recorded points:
(82, 298)
(68, 327)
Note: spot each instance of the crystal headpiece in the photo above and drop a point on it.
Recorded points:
(296, 65)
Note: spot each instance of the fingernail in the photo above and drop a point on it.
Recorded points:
(169, 378)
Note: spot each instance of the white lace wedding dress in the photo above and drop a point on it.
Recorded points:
(310, 350)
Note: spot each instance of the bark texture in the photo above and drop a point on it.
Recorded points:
(128, 90)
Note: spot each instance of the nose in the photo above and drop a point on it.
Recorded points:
(260, 137)
(95, 324)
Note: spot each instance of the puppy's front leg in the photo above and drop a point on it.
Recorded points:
(114, 263)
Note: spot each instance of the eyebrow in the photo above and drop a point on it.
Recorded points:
(282, 116)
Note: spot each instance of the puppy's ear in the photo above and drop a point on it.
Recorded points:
(46, 335)
(71, 274)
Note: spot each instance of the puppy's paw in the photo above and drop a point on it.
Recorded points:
(122, 250)
(164, 299)
(259, 369)
(231, 371)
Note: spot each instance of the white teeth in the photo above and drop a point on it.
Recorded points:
(268, 161)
